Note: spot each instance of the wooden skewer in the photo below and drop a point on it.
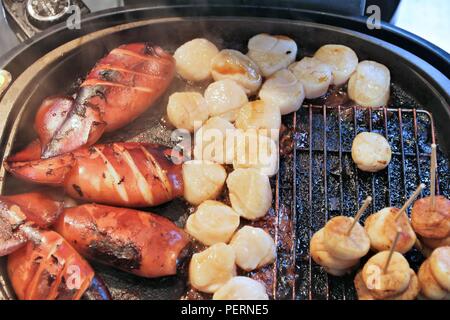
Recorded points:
(391, 252)
(409, 201)
(359, 213)
(433, 177)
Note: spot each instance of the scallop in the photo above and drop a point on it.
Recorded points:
(212, 268)
(241, 288)
(390, 283)
(315, 76)
(224, 98)
(342, 59)
(214, 141)
(342, 245)
(193, 59)
(440, 266)
(323, 257)
(212, 222)
(430, 288)
(254, 150)
(371, 151)
(250, 193)
(254, 248)
(187, 110)
(261, 116)
(381, 227)
(271, 52)
(369, 86)
(232, 64)
(284, 91)
(203, 180)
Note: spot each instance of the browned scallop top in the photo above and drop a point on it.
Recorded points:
(431, 223)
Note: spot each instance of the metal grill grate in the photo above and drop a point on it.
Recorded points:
(318, 180)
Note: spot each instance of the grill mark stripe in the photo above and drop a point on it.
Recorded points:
(40, 270)
(115, 68)
(142, 183)
(120, 188)
(96, 82)
(120, 51)
(160, 172)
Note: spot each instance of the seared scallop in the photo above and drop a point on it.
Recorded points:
(430, 287)
(284, 91)
(381, 227)
(250, 193)
(254, 150)
(203, 180)
(371, 151)
(254, 248)
(369, 86)
(323, 257)
(440, 266)
(261, 116)
(212, 268)
(212, 222)
(271, 52)
(241, 288)
(232, 64)
(387, 284)
(343, 245)
(224, 98)
(187, 110)
(431, 223)
(215, 141)
(193, 59)
(341, 59)
(315, 76)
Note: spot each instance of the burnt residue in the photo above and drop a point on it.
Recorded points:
(123, 255)
(78, 190)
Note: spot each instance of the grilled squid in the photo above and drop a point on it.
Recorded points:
(203, 180)
(284, 91)
(134, 241)
(124, 174)
(271, 52)
(193, 59)
(250, 193)
(187, 110)
(371, 151)
(315, 76)
(48, 268)
(381, 227)
(341, 59)
(212, 268)
(260, 116)
(224, 98)
(369, 86)
(214, 141)
(44, 266)
(254, 248)
(398, 282)
(434, 275)
(212, 222)
(120, 87)
(241, 288)
(232, 64)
